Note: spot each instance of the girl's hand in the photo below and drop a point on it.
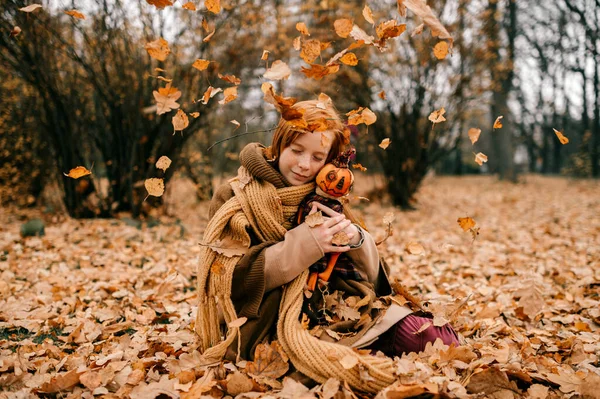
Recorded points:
(333, 224)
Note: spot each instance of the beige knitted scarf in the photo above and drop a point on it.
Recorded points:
(258, 204)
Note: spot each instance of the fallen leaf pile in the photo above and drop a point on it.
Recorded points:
(102, 308)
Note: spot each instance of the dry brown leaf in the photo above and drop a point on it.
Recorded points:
(349, 361)
(155, 186)
(563, 140)
(160, 4)
(229, 247)
(330, 388)
(166, 99)
(279, 70)
(385, 143)
(297, 43)
(213, 6)
(265, 55)
(236, 123)
(230, 79)
(311, 50)
(200, 64)
(163, 163)
(238, 383)
(382, 94)
(30, 8)
(437, 116)
(180, 121)
(360, 35)
(414, 248)
(493, 383)
(343, 27)
(164, 386)
(75, 14)
(78, 172)
(424, 327)
(237, 322)
(466, 223)
(189, 6)
(368, 14)
(318, 72)
(349, 59)
(301, 27)
(229, 94)
(417, 31)
(480, 158)
(158, 49)
(359, 166)
(194, 114)
(15, 31)
(340, 239)
(498, 122)
(421, 9)
(474, 134)
(210, 93)
(315, 219)
(61, 382)
(269, 361)
(209, 36)
(440, 50)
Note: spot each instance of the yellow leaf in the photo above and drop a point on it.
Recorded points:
(166, 99)
(498, 122)
(366, 12)
(480, 158)
(229, 94)
(474, 134)
(561, 137)
(30, 8)
(414, 248)
(200, 64)
(158, 49)
(385, 143)
(440, 50)
(75, 14)
(343, 27)
(213, 6)
(301, 27)
(279, 70)
(78, 172)
(180, 121)
(466, 223)
(437, 116)
(155, 186)
(189, 6)
(349, 59)
(163, 163)
(160, 4)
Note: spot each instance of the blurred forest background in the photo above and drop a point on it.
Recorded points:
(79, 92)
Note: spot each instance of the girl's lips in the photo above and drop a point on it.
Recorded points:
(299, 176)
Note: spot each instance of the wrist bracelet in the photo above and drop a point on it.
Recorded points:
(362, 237)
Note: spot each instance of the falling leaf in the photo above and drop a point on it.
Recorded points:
(213, 6)
(389, 29)
(297, 43)
(160, 4)
(498, 122)
(301, 27)
(15, 31)
(366, 12)
(229, 94)
(318, 72)
(269, 361)
(349, 361)
(437, 116)
(340, 239)
(30, 8)
(474, 134)
(195, 114)
(200, 64)
(78, 172)
(466, 223)
(311, 50)
(314, 219)
(189, 6)
(163, 163)
(180, 121)
(361, 115)
(440, 50)
(279, 70)
(359, 34)
(414, 248)
(417, 31)
(230, 79)
(422, 10)
(382, 95)
(155, 186)
(75, 14)
(349, 59)
(158, 49)
(563, 139)
(210, 93)
(385, 143)
(265, 55)
(236, 123)
(229, 247)
(480, 158)
(237, 322)
(343, 27)
(166, 99)
(359, 166)
(209, 36)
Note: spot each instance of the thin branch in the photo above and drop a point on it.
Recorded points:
(239, 135)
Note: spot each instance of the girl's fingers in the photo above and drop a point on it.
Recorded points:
(344, 248)
(340, 226)
(313, 209)
(333, 221)
(327, 210)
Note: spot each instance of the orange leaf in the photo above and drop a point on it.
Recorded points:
(166, 98)
(498, 122)
(437, 116)
(189, 6)
(343, 27)
(301, 27)
(180, 121)
(78, 172)
(349, 59)
(440, 50)
(160, 4)
(474, 134)
(389, 29)
(155, 186)
(561, 137)
(158, 49)
(265, 55)
(269, 361)
(163, 163)
(414, 248)
(200, 64)
(229, 94)
(480, 158)
(61, 382)
(311, 50)
(382, 94)
(230, 79)
(213, 6)
(75, 14)
(210, 93)
(15, 31)
(279, 70)
(385, 143)
(466, 223)
(209, 36)
(359, 166)
(318, 72)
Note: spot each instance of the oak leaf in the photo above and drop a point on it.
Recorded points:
(498, 122)
(340, 239)
(155, 186)
(180, 121)
(158, 49)
(493, 383)
(480, 158)
(474, 134)
(301, 27)
(213, 6)
(279, 70)
(78, 172)
(385, 143)
(75, 14)
(563, 140)
(343, 27)
(269, 361)
(30, 8)
(163, 163)
(200, 64)
(166, 99)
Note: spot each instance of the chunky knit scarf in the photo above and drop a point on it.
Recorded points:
(267, 210)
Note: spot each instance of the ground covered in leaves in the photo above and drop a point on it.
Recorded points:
(106, 307)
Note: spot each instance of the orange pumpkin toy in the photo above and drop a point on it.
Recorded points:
(334, 181)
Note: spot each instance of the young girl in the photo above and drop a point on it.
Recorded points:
(264, 198)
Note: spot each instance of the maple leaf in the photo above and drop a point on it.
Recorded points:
(229, 94)
(158, 49)
(437, 116)
(30, 8)
(314, 219)
(563, 140)
(155, 186)
(498, 122)
(75, 14)
(311, 50)
(229, 247)
(440, 50)
(368, 14)
(78, 172)
(189, 6)
(269, 361)
(474, 134)
(349, 59)
(279, 70)
(385, 143)
(301, 27)
(180, 121)
(480, 158)
(213, 6)
(343, 27)
(200, 64)
(163, 163)
(166, 99)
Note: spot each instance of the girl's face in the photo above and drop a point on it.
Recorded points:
(301, 161)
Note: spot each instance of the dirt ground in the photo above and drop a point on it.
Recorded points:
(106, 307)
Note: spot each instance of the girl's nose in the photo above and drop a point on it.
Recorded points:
(304, 162)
